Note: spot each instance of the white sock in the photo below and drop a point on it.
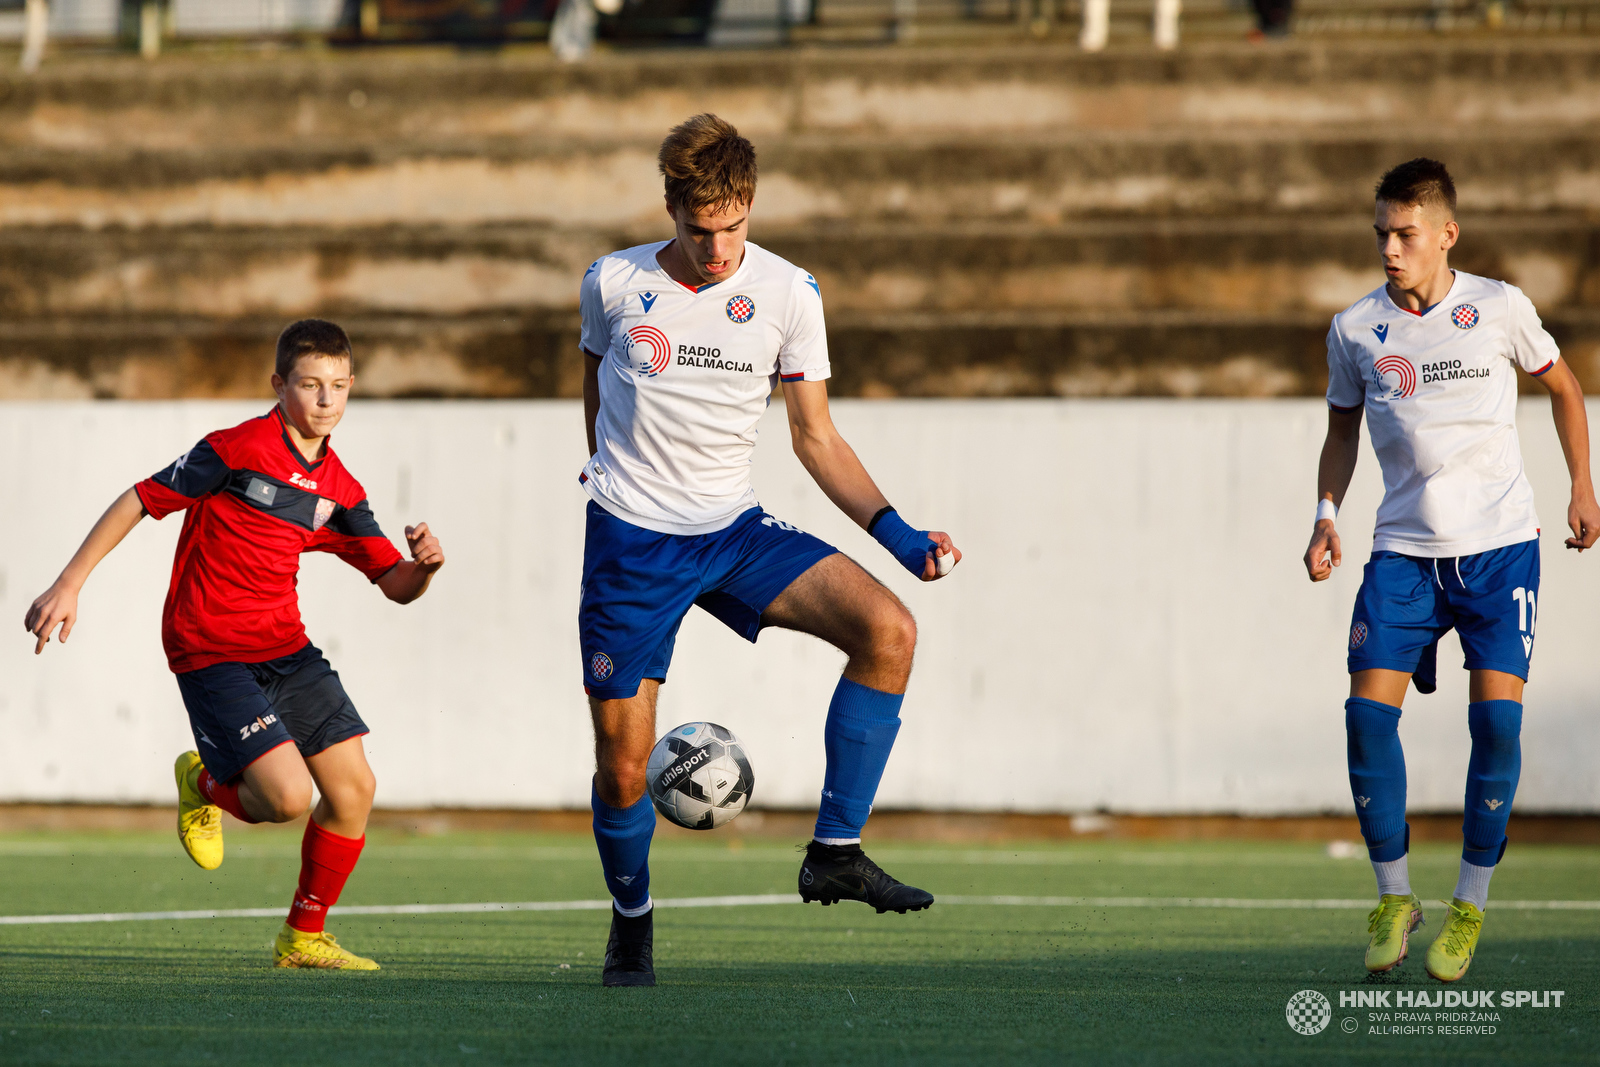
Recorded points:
(1394, 877)
(837, 841)
(634, 913)
(1473, 884)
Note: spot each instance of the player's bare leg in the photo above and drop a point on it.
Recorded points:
(624, 734)
(276, 787)
(347, 784)
(841, 603)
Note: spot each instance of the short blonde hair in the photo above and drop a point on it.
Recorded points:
(707, 164)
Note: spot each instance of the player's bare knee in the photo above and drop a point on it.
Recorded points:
(622, 783)
(288, 802)
(353, 795)
(894, 635)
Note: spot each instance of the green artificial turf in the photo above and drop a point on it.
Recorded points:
(962, 983)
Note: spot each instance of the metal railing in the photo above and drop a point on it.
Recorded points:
(145, 24)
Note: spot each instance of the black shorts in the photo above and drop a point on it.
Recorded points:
(241, 711)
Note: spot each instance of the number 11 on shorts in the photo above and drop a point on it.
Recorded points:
(1527, 615)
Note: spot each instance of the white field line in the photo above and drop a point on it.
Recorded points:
(900, 856)
(1249, 903)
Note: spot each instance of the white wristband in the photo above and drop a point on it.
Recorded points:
(1326, 510)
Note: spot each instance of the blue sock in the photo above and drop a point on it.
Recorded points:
(1377, 776)
(1492, 773)
(862, 724)
(623, 837)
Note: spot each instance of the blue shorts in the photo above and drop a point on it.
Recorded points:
(1407, 603)
(638, 585)
(241, 711)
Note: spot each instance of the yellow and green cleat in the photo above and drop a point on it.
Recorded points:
(296, 948)
(199, 820)
(1451, 952)
(1390, 925)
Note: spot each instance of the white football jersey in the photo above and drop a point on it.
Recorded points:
(1441, 401)
(684, 377)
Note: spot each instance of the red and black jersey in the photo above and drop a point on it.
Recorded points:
(254, 504)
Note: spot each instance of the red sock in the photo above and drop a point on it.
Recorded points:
(326, 861)
(223, 796)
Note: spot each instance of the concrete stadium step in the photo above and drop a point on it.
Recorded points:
(1043, 179)
(989, 221)
(1240, 266)
(1004, 353)
(203, 104)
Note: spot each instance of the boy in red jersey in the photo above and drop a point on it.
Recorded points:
(269, 714)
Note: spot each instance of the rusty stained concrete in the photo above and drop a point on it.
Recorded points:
(1121, 224)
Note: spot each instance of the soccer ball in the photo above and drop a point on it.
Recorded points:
(699, 776)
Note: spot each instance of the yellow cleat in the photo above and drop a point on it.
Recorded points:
(1451, 952)
(296, 948)
(199, 820)
(1390, 925)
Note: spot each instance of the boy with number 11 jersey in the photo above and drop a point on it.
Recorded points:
(1430, 359)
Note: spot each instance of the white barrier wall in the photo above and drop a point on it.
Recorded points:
(1131, 629)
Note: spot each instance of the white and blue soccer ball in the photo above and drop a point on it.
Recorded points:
(699, 776)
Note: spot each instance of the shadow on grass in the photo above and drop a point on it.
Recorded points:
(472, 1003)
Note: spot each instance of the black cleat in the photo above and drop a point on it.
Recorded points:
(628, 951)
(831, 873)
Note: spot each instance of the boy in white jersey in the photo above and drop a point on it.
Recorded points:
(1429, 359)
(684, 341)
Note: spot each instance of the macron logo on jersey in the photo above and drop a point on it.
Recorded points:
(1382, 330)
(648, 300)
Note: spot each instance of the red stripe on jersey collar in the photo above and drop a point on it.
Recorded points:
(288, 442)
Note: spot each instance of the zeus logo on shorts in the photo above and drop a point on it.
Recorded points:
(779, 524)
(257, 726)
